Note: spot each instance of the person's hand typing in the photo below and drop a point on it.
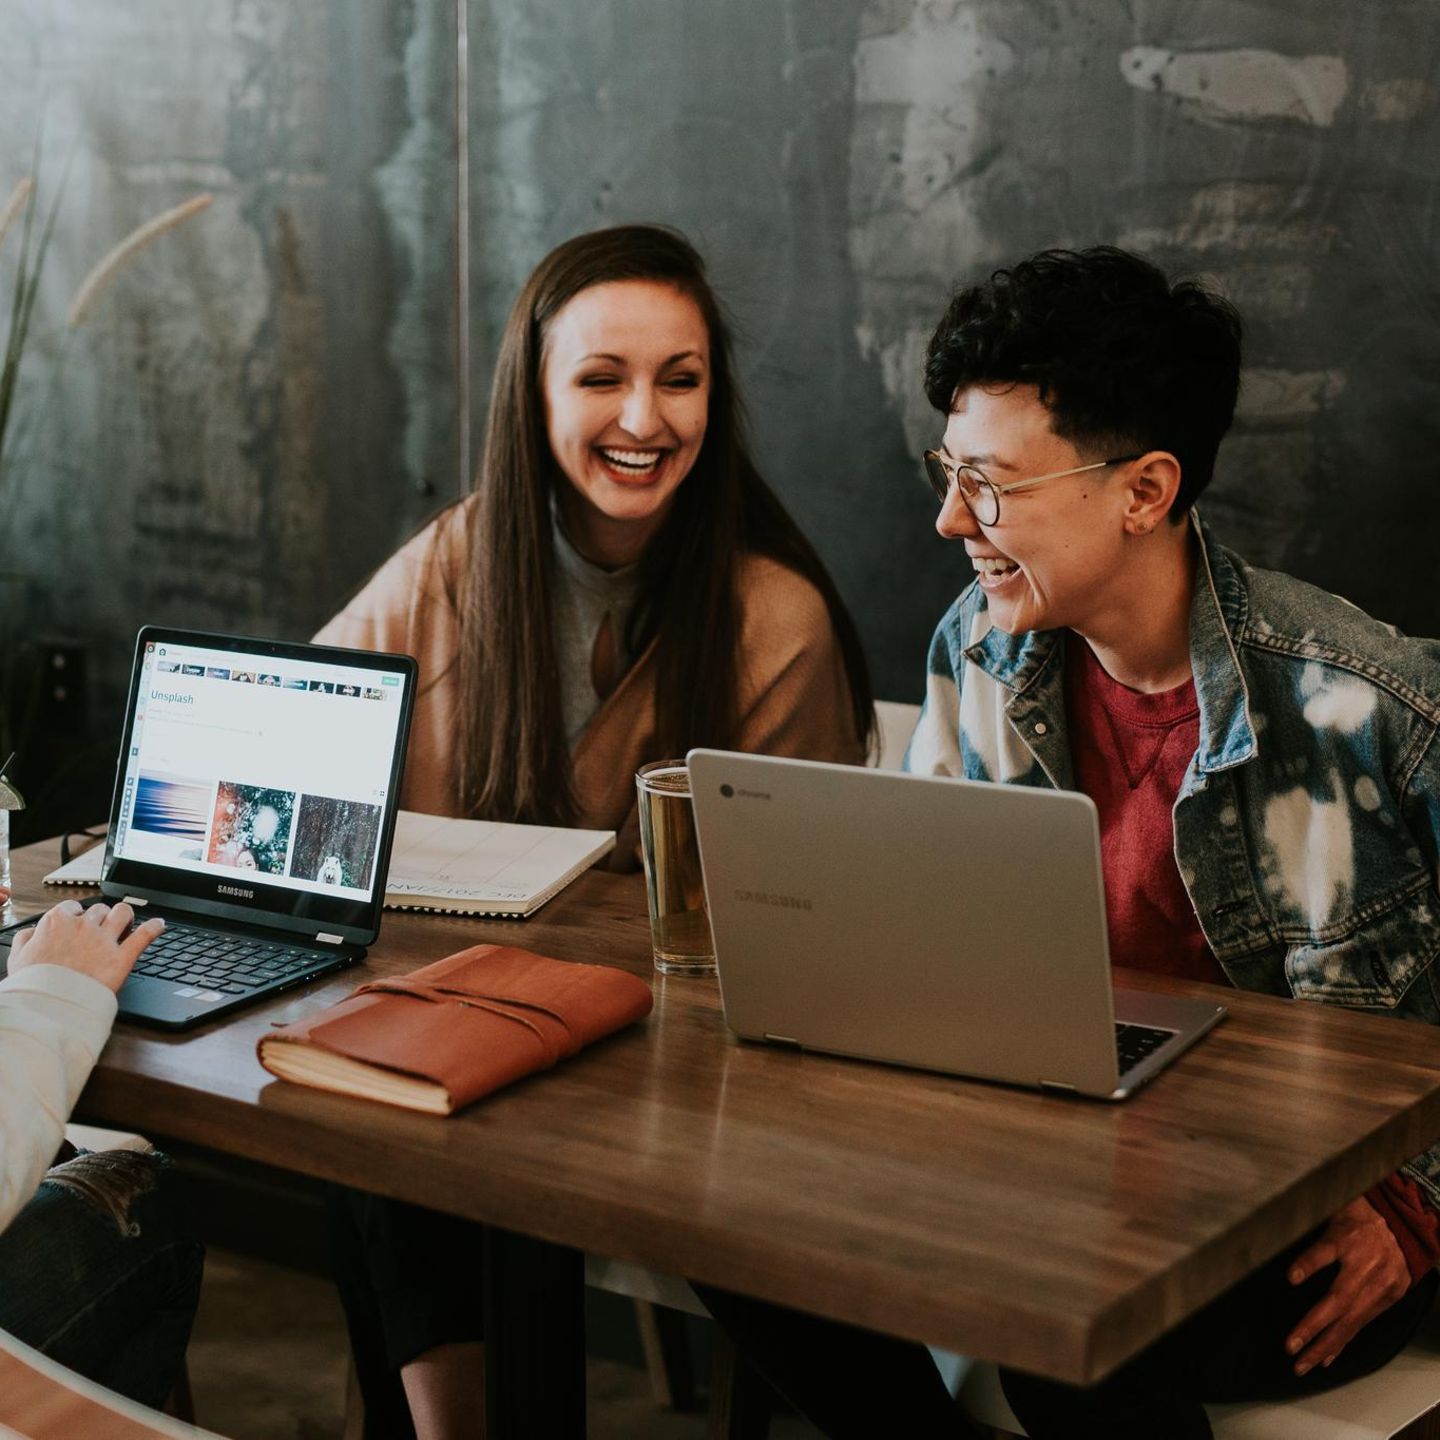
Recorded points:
(1373, 1275)
(93, 941)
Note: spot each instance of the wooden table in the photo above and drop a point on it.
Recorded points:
(1052, 1234)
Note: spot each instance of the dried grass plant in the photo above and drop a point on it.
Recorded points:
(22, 209)
(117, 259)
(22, 206)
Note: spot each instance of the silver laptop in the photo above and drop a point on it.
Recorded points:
(947, 924)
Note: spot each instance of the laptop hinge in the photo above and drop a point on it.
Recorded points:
(134, 902)
(1057, 1085)
(782, 1040)
(330, 939)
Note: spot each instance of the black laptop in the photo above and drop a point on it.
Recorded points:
(255, 801)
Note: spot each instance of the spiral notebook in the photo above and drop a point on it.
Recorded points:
(485, 867)
(455, 867)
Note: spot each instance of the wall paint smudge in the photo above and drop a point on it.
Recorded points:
(1284, 396)
(1405, 97)
(920, 145)
(1245, 85)
(418, 195)
(1238, 216)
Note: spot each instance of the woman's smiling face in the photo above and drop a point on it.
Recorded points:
(625, 376)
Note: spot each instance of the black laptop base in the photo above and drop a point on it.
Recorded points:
(192, 974)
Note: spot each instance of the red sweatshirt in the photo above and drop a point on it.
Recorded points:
(1130, 752)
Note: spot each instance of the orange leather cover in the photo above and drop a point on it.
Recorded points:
(477, 1020)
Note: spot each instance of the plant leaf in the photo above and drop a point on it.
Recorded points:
(117, 258)
(11, 366)
(19, 199)
(26, 289)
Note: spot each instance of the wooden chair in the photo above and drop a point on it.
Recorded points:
(40, 1400)
(740, 1402)
(894, 724)
(92, 1137)
(660, 1303)
(1400, 1402)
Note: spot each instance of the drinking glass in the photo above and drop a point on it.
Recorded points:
(679, 922)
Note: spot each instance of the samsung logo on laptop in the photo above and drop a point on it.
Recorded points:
(781, 902)
(237, 891)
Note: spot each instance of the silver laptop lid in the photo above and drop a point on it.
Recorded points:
(947, 924)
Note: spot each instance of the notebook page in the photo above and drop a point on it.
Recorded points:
(482, 861)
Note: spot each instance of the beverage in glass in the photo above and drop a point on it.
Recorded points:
(679, 922)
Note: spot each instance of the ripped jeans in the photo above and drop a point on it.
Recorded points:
(99, 1271)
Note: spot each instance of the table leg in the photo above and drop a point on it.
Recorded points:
(740, 1400)
(534, 1338)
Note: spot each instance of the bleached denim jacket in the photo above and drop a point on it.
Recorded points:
(1307, 828)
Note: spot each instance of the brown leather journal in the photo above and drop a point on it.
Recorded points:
(448, 1033)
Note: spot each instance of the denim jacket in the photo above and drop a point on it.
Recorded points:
(1307, 827)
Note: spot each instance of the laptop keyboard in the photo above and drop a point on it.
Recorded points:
(1134, 1042)
(210, 960)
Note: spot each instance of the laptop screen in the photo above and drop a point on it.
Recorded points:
(260, 775)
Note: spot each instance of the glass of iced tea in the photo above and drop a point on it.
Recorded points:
(679, 921)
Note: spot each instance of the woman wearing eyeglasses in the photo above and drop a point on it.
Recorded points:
(621, 586)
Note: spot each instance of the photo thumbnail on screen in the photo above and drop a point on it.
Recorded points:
(335, 841)
(173, 807)
(251, 829)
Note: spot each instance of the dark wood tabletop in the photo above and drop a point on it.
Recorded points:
(1055, 1234)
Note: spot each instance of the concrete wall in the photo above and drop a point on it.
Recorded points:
(267, 400)
(251, 413)
(844, 162)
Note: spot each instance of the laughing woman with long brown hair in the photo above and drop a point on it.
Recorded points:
(621, 585)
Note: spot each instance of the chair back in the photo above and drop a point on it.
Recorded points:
(894, 725)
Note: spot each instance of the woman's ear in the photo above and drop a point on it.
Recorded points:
(1152, 482)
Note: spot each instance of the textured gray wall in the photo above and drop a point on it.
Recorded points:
(253, 417)
(842, 162)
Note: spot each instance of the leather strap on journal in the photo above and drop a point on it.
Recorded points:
(507, 1007)
(477, 1020)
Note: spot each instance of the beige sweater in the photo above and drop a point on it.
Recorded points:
(53, 1024)
(794, 697)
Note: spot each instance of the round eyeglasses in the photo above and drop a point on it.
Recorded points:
(980, 493)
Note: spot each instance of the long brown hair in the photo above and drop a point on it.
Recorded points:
(514, 763)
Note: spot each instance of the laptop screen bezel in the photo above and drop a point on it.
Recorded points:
(298, 912)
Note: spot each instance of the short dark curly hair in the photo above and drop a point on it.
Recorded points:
(1124, 360)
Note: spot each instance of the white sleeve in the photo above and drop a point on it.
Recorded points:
(934, 747)
(53, 1024)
